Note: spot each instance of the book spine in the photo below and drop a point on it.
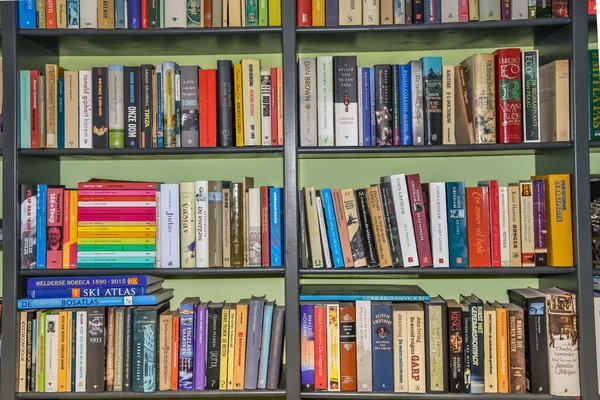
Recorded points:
(267, 326)
(439, 224)
(189, 100)
(372, 112)
(80, 351)
(169, 119)
(165, 351)
(323, 231)
(493, 197)
(505, 8)
(378, 224)
(254, 228)
(383, 105)
(237, 226)
(27, 14)
(100, 129)
(516, 335)
(213, 347)
(265, 234)
(88, 17)
(96, 349)
(127, 348)
(432, 99)
(40, 10)
(386, 12)
(396, 104)
(215, 222)
(338, 205)
(558, 203)
(224, 347)
(146, 105)
(531, 104)
(199, 350)
(466, 326)
(544, 9)
(448, 113)
(332, 230)
(400, 349)
(539, 222)
(51, 12)
(274, 107)
(28, 233)
(365, 222)
(333, 348)
(456, 353)
(118, 354)
(106, 14)
(34, 108)
(275, 350)
(25, 114)
(504, 227)
(371, 12)
(363, 346)
(265, 105)
(275, 227)
(406, 138)
(420, 220)
(401, 201)
(169, 220)
(110, 350)
(187, 330)
(241, 327)
(324, 101)
(502, 349)
(478, 232)
(416, 70)
(365, 111)
(436, 357)
(345, 98)
(381, 334)
(85, 109)
(527, 225)
(202, 225)
(239, 104)
(418, 11)
(121, 16)
(308, 101)
(225, 94)
(187, 194)
(391, 224)
(116, 110)
(347, 347)
(508, 95)
(134, 14)
(316, 255)
(54, 222)
(320, 346)
(490, 351)
(514, 225)
(416, 347)
(331, 13)
(51, 352)
(71, 109)
(251, 87)
(208, 107)
(477, 348)
(253, 342)
(318, 13)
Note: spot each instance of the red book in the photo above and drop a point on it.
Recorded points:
(494, 205)
(117, 210)
(508, 96)
(478, 226)
(175, 353)
(35, 112)
(116, 198)
(54, 230)
(320, 311)
(264, 227)
(144, 14)
(560, 8)
(419, 217)
(50, 14)
(464, 10)
(116, 185)
(207, 79)
(304, 12)
(591, 6)
(274, 110)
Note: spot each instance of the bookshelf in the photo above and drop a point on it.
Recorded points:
(295, 167)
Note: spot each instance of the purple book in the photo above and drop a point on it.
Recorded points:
(332, 13)
(505, 11)
(539, 222)
(200, 359)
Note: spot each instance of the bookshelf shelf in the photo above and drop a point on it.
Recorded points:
(474, 272)
(175, 272)
(177, 32)
(159, 395)
(429, 396)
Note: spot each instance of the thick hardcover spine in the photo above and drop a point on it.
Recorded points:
(347, 347)
(432, 100)
(448, 113)
(516, 335)
(100, 130)
(134, 14)
(401, 200)
(531, 102)
(29, 226)
(225, 88)
(508, 95)
(345, 98)
(539, 222)
(190, 107)
(456, 349)
(438, 224)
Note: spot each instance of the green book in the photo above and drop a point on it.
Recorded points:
(594, 94)
(263, 12)
(116, 112)
(25, 95)
(251, 12)
(154, 8)
(194, 14)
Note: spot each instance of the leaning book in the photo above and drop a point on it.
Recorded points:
(149, 300)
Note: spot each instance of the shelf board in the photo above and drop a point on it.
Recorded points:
(157, 395)
(429, 396)
(474, 272)
(164, 272)
(167, 41)
(447, 150)
(262, 151)
(491, 34)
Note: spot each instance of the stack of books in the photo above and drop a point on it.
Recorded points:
(500, 97)
(152, 106)
(146, 14)
(379, 338)
(403, 223)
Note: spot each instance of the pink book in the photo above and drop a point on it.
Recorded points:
(464, 11)
(117, 192)
(54, 228)
(118, 210)
(115, 185)
(419, 216)
(494, 206)
(116, 217)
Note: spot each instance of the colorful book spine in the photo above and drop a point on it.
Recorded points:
(307, 347)
(478, 232)
(406, 138)
(200, 346)
(383, 105)
(415, 192)
(333, 347)
(187, 321)
(54, 223)
(372, 112)
(152, 299)
(169, 220)
(265, 343)
(539, 222)
(366, 106)
(29, 226)
(126, 281)
(396, 104)
(508, 95)
(531, 102)
(332, 231)
(27, 14)
(276, 225)
(83, 292)
(383, 356)
(432, 99)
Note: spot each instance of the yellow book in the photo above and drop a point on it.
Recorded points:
(274, 12)
(61, 14)
(502, 347)
(117, 234)
(490, 353)
(333, 347)
(318, 12)
(251, 101)
(62, 351)
(240, 344)
(106, 14)
(117, 241)
(473, 10)
(239, 104)
(69, 348)
(231, 345)
(235, 13)
(116, 228)
(224, 347)
(558, 220)
(53, 72)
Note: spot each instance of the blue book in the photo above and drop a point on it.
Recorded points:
(437, 15)
(475, 306)
(92, 282)
(265, 345)
(159, 108)
(89, 292)
(27, 17)
(366, 111)
(73, 16)
(187, 320)
(41, 226)
(457, 225)
(149, 300)
(307, 347)
(381, 347)
(25, 107)
(332, 13)
(427, 12)
(134, 14)
(120, 16)
(276, 226)
(373, 99)
(60, 123)
(332, 230)
(406, 136)
(399, 11)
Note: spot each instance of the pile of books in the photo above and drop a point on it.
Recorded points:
(112, 224)
(403, 223)
(152, 106)
(137, 344)
(504, 97)
(388, 12)
(144, 14)
(397, 339)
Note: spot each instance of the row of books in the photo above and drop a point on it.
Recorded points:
(163, 105)
(403, 223)
(108, 224)
(439, 346)
(199, 346)
(388, 12)
(144, 14)
(504, 97)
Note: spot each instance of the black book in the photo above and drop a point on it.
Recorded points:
(253, 341)
(408, 12)
(418, 10)
(190, 117)
(28, 349)
(148, 71)
(367, 229)
(133, 106)
(127, 348)
(177, 86)
(96, 349)
(396, 105)
(436, 352)
(455, 344)
(225, 92)
(544, 8)
(213, 346)
(466, 327)
(432, 100)
(331, 292)
(100, 108)
(303, 230)
(383, 104)
(276, 348)
(536, 345)
(475, 306)
(391, 223)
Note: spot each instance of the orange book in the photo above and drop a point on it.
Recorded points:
(62, 351)
(241, 322)
(478, 226)
(50, 14)
(338, 206)
(208, 13)
(125, 234)
(347, 347)
(207, 79)
(502, 347)
(175, 352)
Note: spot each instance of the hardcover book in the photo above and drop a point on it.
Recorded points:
(457, 225)
(478, 232)
(225, 96)
(416, 77)
(508, 95)
(100, 130)
(324, 100)
(436, 336)
(527, 224)
(539, 222)
(187, 319)
(400, 348)
(456, 349)
(419, 216)
(476, 345)
(190, 135)
(416, 347)
(516, 340)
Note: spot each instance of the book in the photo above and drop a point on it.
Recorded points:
(531, 101)
(364, 215)
(553, 101)
(345, 98)
(187, 330)
(400, 348)
(490, 376)
(479, 77)
(508, 95)
(213, 358)
(456, 348)
(381, 336)
(436, 352)
(416, 347)
(347, 334)
(474, 306)
(333, 347)
(370, 292)
(594, 94)
(323, 100)
(416, 78)
(478, 226)
(157, 297)
(187, 226)
(118, 86)
(251, 89)
(383, 105)
(93, 282)
(432, 99)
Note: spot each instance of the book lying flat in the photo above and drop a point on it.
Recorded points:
(99, 291)
(363, 292)
(92, 282)
(149, 300)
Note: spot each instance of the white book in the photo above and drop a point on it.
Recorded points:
(308, 101)
(80, 351)
(333, 346)
(370, 12)
(252, 119)
(324, 83)
(254, 239)
(450, 11)
(51, 360)
(448, 114)
(187, 226)
(265, 106)
(345, 100)
(406, 232)
(88, 14)
(176, 14)
(439, 224)
(518, 10)
(490, 357)
(361, 116)
(418, 124)
(323, 230)
(85, 109)
(504, 231)
(364, 376)
(400, 348)
(158, 242)
(312, 224)
(116, 116)
(350, 12)
(169, 229)
(202, 227)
